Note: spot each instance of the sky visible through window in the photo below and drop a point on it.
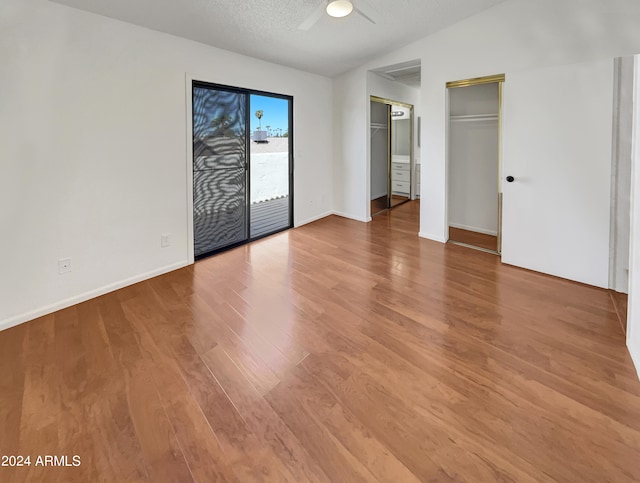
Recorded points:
(275, 114)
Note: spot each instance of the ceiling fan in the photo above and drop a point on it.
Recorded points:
(338, 9)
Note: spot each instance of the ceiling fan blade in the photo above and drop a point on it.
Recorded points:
(312, 19)
(365, 9)
(357, 10)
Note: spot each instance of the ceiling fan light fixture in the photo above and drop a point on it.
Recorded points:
(339, 8)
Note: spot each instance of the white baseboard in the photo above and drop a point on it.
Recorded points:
(351, 217)
(63, 304)
(428, 236)
(375, 197)
(314, 218)
(473, 228)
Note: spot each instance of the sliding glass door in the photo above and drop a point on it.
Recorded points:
(270, 153)
(219, 169)
(242, 166)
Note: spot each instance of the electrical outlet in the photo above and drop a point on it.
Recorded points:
(64, 265)
(165, 240)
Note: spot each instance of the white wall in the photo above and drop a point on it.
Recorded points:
(379, 151)
(513, 36)
(269, 176)
(351, 148)
(633, 319)
(473, 176)
(395, 91)
(93, 149)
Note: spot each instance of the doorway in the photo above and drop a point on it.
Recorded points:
(474, 201)
(621, 167)
(391, 154)
(242, 166)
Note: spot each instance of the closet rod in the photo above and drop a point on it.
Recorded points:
(378, 125)
(475, 117)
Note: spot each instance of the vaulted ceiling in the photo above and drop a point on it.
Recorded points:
(268, 29)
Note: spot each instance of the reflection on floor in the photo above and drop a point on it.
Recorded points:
(473, 238)
(620, 302)
(398, 200)
(380, 204)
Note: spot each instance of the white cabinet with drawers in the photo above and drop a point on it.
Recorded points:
(400, 176)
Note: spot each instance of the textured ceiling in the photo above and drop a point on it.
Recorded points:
(268, 29)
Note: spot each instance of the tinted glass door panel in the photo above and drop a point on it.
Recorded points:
(219, 169)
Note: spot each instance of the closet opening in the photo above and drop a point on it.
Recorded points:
(391, 154)
(473, 151)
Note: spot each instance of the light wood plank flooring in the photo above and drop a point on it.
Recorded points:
(473, 238)
(336, 352)
(380, 204)
(621, 304)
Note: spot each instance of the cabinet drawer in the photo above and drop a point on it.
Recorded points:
(397, 175)
(400, 187)
(400, 166)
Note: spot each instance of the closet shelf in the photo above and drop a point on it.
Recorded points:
(475, 118)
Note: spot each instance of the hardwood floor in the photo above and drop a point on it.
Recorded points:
(398, 200)
(338, 351)
(620, 303)
(380, 204)
(481, 240)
